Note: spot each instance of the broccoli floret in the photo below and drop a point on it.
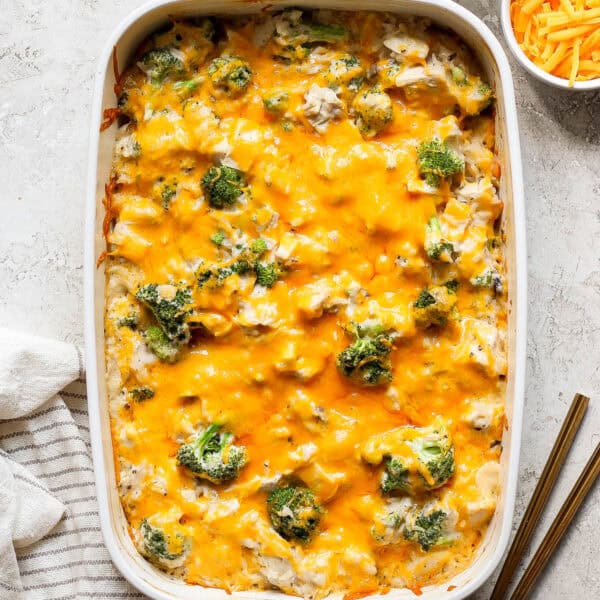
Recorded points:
(159, 547)
(215, 276)
(167, 194)
(459, 76)
(436, 247)
(230, 73)
(294, 512)
(139, 394)
(324, 33)
(191, 40)
(424, 300)
(484, 89)
(434, 305)
(415, 460)
(276, 102)
(158, 343)
(347, 71)
(267, 274)
(373, 109)
(395, 476)
(206, 25)
(223, 185)
(297, 35)
(213, 456)
(212, 278)
(355, 83)
(185, 88)
(490, 279)
(484, 97)
(387, 72)
(427, 527)
(125, 106)
(170, 306)
(131, 321)
(259, 246)
(452, 286)
(241, 266)
(366, 361)
(291, 28)
(348, 60)
(218, 237)
(436, 161)
(159, 64)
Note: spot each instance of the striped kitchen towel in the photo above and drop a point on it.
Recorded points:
(46, 478)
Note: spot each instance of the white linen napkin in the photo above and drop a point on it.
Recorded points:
(50, 542)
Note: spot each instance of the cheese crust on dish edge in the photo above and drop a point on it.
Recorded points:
(306, 302)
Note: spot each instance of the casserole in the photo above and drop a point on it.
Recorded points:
(115, 529)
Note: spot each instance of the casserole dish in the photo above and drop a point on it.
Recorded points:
(114, 524)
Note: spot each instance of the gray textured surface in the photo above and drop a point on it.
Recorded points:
(48, 49)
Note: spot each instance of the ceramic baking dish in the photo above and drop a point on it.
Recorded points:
(126, 38)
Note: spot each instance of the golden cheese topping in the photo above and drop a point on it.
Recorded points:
(305, 302)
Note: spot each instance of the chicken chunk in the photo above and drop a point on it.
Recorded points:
(321, 106)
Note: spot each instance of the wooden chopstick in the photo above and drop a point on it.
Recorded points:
(541, 494)
(560, 525)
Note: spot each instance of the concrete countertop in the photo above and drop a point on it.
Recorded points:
(48, 51)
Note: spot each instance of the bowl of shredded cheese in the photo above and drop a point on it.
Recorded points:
(557, 41)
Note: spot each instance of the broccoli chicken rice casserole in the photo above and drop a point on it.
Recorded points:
(305, 302)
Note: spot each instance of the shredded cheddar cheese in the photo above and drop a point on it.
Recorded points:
(559, 37)
(306, 303)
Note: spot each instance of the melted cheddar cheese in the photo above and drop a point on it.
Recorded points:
(339, 227)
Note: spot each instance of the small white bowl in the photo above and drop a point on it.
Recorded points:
(530, 66)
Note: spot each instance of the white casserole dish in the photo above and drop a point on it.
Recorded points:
(126, 38)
